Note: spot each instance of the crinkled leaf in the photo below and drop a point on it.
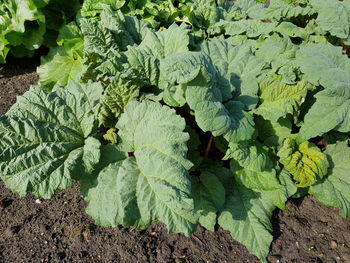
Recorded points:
(97, 38)
(114, 200)
(279, 99)
(251, 156)
(127, 30)
(264, 180)
(70, 33)
(324, 64)
(169, 41)
(203, 95)
(334, 189)
(109, 154)
(292, 30)
(145, 65)
(35, 160)
(205, 13)
(160, 184)
(238, 68)
(228, 119)
(59, 68)
(250, 8)
(92, 153)
(305, 162)
(249, 27)
(287, 182)
(279, 9)
(279, 53)
(330, 111)
(184, 67)
(333, 16)
(247, 216)
(116, 96)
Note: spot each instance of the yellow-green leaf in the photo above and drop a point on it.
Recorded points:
(305, 162)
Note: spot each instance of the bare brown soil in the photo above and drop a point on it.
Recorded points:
(58, 230)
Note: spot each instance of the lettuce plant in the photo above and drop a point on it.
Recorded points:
(213, 125)
(25, 25)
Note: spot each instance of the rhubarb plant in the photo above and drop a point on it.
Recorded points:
(190, 124)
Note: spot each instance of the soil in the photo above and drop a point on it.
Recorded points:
(58, 230)
(15, 78)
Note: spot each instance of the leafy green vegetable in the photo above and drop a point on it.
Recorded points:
(253, 157)
(247, 216)
(333, 190)
(333, 16)
(35, 160)
(154, 182)
(279, 99)
(185, 112)
(27, 24)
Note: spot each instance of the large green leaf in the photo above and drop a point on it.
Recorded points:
(334, 189)
(14, 14)
(113, 201)
(45, 139)
(247, 216)
(60, 68)
(279, 9)
(169, 41)
(97, 38)
(249, 27)
(209, 197)
(238, 69)
(279, 53)
(330, 111)
(109, 154)
(144, 64)
(127, 30)
(273, 133)
(158, 181)
(246, 213)
(324, 64)
(64, 63)
(202, 93)
(279, 99)
(114, 32)
(247, 8)
(265, 180)
(3, 49)
(229, 120)
(251, 156)
(333, 16)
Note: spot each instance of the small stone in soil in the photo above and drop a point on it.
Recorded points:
(334, 244)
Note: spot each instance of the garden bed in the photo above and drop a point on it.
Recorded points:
(58, 230)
